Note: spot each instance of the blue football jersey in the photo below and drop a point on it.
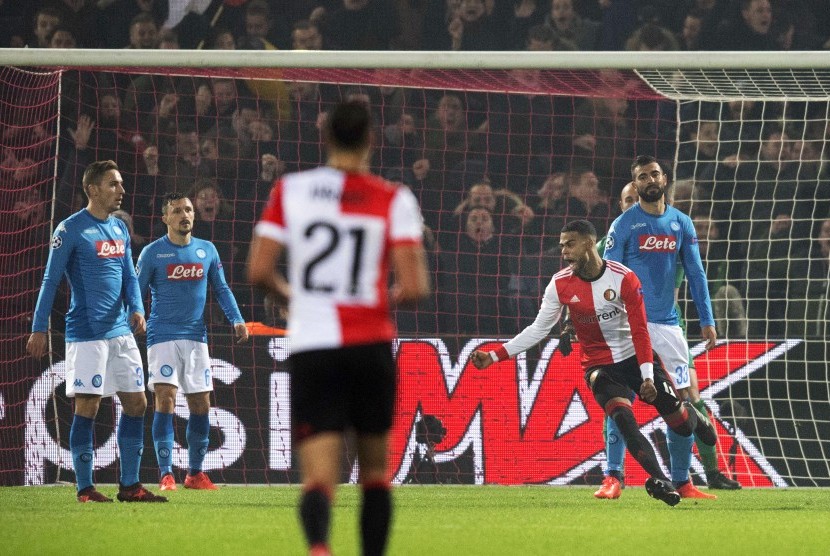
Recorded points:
(177, 277)
(651, 246)
(96, 257)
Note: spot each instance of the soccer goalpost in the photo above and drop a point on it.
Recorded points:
(522, 140)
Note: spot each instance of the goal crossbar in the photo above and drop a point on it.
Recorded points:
(59, 57)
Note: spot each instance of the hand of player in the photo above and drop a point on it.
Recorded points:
(565, 338)
(710, 335)
(36, 346)
(241, 331)
(138, 324)
(648, 392)
(481, 359)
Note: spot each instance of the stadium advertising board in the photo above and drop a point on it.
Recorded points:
(528, 420)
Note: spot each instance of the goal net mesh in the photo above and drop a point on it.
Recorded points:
(499, 160)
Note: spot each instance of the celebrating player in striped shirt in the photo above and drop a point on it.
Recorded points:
(605, 302)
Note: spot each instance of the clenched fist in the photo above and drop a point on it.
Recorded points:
(481, 359)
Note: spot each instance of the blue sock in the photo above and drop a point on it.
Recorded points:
(163, 441)
(198, 428)
(80, 444)
(614, 446)
(680, 452)
(130, 447)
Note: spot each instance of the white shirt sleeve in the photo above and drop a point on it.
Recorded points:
(548, 315)
(406, 222)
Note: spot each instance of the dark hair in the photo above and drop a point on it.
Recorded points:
(304, 25)
(50, 11)
(643, 160)
(541, 33)
(170, 198)
(349, 125)
(581, 227)
(217, 32)
(62, 28)
(258, 7)
(94, 173)
(143, 17)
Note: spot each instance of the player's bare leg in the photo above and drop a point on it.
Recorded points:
(319, 457)
(376, 513)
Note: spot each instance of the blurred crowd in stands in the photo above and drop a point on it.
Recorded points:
(418, 24)
(497, 175)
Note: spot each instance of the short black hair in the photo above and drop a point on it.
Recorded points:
(349, 125)
(170, 198)
(581, 227)
(643, 160)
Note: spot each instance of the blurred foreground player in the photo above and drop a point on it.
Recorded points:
(606, 308)
(342, 227)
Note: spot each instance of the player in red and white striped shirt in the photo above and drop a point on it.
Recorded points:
(606, 307)
(343, 228)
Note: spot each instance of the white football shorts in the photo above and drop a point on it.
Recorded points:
(104, 367)
(183, 363)
(669, 343)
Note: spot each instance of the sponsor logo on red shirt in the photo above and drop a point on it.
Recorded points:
(658, 244)
(110, 249)
(187, 271)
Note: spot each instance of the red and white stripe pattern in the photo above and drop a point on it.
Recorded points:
(608, 315)
(338, 229)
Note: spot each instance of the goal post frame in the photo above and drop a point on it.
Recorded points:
(59, 57)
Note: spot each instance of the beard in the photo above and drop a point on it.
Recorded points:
(650, 195)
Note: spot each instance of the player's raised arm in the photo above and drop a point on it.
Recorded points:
(548, 315)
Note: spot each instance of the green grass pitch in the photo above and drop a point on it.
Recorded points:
(429, 520)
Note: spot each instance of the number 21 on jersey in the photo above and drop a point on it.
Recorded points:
(341, 259)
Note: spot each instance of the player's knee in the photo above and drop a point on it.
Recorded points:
(592, 378)
(164, 400)
(199, 404)
(134, 404)
(682, 422)
(622, 415)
